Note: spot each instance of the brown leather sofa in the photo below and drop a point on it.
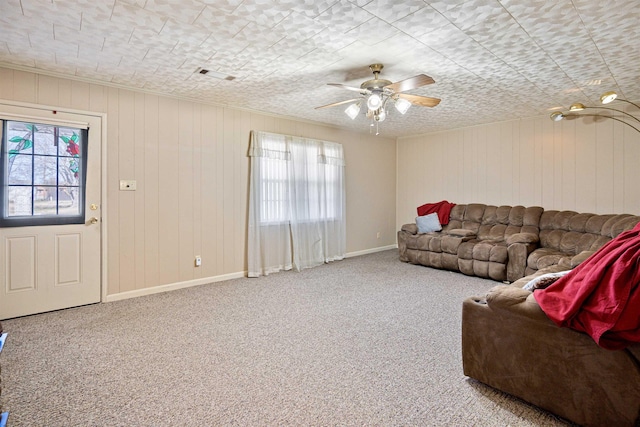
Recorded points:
(506, 243)
(478, 240)
(509, 343)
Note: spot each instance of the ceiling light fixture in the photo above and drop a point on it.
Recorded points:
(378, 92)
(605, 98)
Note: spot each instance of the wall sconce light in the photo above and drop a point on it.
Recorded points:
(605, 98)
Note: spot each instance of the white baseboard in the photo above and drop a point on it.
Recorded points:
(174, 286)
(371, 251)
(206, 280)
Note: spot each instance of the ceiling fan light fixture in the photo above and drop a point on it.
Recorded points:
(374, 101)
(353, 110)
(577, 107)
(557, 116)
(607, 97)
(381, 115)
(402, 105)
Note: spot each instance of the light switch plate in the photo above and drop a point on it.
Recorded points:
(127, 185)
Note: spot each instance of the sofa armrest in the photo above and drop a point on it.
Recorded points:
(518, 254)
(410, 228)
(523, 238)
(512, 300)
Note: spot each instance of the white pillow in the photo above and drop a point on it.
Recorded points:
(544, 280)
(428, 223)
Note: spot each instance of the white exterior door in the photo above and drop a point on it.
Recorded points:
(50, 267)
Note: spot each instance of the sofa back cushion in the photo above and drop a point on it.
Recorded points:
(456, 216)
(572, 232)
(494, 223)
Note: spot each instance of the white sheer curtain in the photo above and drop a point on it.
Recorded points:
(296, 203)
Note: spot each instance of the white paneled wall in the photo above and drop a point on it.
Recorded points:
(582, 165)
(191, 166)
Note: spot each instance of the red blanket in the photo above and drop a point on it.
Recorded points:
(601, 296)
(443, 209)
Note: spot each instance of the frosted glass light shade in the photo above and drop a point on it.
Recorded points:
(353, 110)
(402, 105)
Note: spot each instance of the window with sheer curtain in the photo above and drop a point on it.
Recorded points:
(296, 203)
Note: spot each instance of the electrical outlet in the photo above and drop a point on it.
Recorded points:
(378, 235)
(198, 261)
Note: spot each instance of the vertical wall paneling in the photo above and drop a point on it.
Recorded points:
(604, 171)
(196, 207)
(568, 166)
(548, 163)
(585, 169)
(6, 84)
(631, 167)
(80, 96)
(208, 190)
(583, 165)
(25, 86)
(228, 186)
(151, 191)
(48, 90)
(113, 177)
(139, 196)
(618, 170)
(508, 183)
(64, 93)
(241, 202)
(219, 189)
(168, 165)
(126, 199)
(184, 201)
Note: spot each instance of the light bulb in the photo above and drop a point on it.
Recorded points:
(374, 102)
(381, 115)
(607, 97)
(557, 116)
(577, 107)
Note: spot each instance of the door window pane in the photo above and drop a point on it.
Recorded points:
(43, 174)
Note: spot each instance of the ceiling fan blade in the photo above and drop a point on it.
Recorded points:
(339, 103)
(423, 101)
(410, 83)
(355, 89)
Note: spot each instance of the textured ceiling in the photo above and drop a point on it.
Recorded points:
(491, 60)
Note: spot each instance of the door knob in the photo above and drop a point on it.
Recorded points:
(93, 220)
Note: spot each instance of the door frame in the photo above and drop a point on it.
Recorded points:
(103, 177)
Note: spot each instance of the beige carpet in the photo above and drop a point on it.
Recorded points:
(365, 341)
